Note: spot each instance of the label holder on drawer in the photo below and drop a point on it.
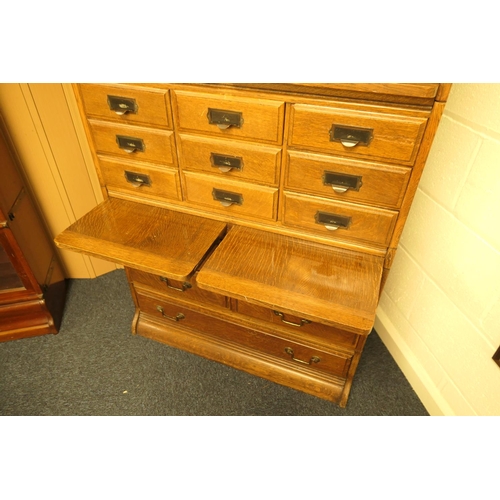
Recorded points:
(340, 182)
(332, 222)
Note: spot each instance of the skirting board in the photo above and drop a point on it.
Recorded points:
(418, 378)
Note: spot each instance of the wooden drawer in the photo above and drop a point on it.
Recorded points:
(347, 179)
(298, 325)
(257, 119)
(140, 179)
(146, 144)
(317, 215)
(183, 290)
(143, 106)
(296, 353)
(253, 200)
(381, 133)
(237, 160)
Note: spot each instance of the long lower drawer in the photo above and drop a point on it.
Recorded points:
(295, 353)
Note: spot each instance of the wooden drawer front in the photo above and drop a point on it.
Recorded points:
(140, 179)
(371, 225)
(392, 134)
(261, 120)
(252, 162)
(299, 326)
(144, 107)
(347, 180)
(183, 290)
(279, 347)
(256, 201)
(158, 145)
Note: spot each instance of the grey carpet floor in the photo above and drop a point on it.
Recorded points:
(95, 366)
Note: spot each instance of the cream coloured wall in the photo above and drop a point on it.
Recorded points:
(439, 314)
(48, 139)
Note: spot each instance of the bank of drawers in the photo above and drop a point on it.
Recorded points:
(300, 350)
(346, 168)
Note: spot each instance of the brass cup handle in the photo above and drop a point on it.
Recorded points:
(120, 113)
(184, 287)
(331, 228)
(314, 359)
(349, 144)
(177, 317)
(226, 203)
(225, 169)
(137, 182)
(340, 189)
(129, 150)
(223, 126)
(283, 320)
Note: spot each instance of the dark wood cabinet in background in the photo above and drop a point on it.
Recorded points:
(32, 284)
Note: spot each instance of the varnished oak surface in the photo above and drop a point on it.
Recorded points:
(381, 184)
(153, 106)
(396, 132)
(316, 282)
(143, 237)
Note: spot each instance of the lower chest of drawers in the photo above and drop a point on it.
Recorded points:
(257, 225)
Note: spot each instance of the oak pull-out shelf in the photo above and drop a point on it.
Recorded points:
(148, 238)
(320, 283)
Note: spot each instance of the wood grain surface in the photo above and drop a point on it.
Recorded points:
(312, 281)
(381, 184)
(262, 118)
(143, 237)
(397, 132)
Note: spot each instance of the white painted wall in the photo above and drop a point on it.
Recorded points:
(439, 314)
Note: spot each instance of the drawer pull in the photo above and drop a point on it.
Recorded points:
(130, 144)
(283, 320)
(341, 183)
(224, 119)
(137, 180)
(226, 163)
(314, 359)
(332, 222)
(351, 136)
(184, 287)
(178, 317)
(122, 105)
(227, 198)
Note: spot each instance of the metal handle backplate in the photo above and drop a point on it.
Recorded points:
(130, 144)
(341, 182)
(226, 163)
(227, 198)
(224, 118)
(351, 136)
(332, 222)
(136, 179)
(122, 105)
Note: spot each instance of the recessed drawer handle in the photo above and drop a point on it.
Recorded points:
(224, 119)
(283, 320)
(332, 222)
(227, 198)
(184, 287)
(137, 180)
(351, 136)
(341, 182)
(226, 163)
(130, 144)
(122, 105)
(314, 359)
(178, 317)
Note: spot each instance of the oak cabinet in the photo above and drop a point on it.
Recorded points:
(257, 223)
